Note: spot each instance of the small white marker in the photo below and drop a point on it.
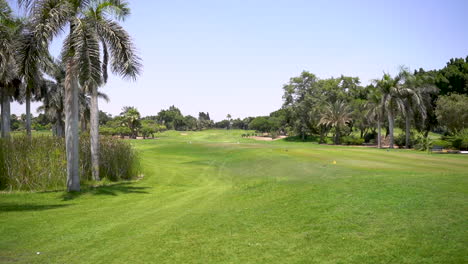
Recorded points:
(38, 253)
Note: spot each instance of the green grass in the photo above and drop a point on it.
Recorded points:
(214, 197)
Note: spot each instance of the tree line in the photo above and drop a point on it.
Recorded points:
(68, 86)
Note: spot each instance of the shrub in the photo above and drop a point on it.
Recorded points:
(350, 140)
(443, 143)
(423, 143)
(400, 140)
(40, 163)
(459, 140)
(370, 136)
(274, 134)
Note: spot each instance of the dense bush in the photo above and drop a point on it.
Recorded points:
(459, 140)
(371, 136)
(400, 140)
(350, 140)
(40, 163)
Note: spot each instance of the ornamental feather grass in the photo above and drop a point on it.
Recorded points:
(39, 163)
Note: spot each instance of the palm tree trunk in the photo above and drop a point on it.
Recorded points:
(28, 115)
(59, 125)
(71, 130)
(408, 124)
(337, 136)
(5, 116)
(94, 134)
(391, 122)
(379, 134)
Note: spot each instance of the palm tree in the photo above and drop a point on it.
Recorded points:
(131, 119)
(9, 81)
(374, 112)
(53, 96)
(82, 55)
(336, 115)
(391, 99)
(416, 96)
(32, 60)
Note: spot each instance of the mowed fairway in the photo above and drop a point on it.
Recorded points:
(213, 197)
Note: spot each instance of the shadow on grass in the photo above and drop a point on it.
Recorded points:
(308, 138)
(111, 190)
(11, 207)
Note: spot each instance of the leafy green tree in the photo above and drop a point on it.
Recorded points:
(204, 121)
(453, 78)
(261, 124)
(452, 112)
(148, 128)
(190, 122)
(104, 117)
(172, 118)
(302, 98)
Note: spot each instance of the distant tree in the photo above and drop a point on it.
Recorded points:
(104, 117)
(261, 124)
(222, 124)
(453, 78)
(302, 96)
(148, 128)
(172, 118)
(416, 94)
(204, 121)
(229, 118)
(190, 122)
(336, 115)
(452, 112)
(391, 100)
(130, 117)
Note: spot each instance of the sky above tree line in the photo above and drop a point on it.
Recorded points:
(234, 56)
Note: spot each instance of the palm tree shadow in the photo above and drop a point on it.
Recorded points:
(110, 190)
(13, 207)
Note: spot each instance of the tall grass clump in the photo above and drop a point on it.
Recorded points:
(117, 159)
(39, 163)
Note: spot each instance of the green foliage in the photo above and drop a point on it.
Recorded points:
(261, 124)
(172, 118)
(453, 78)
(452, 112)
(350, 140)
(39, 163)
(400, 140)
(130, 117)
(423, 143)
(458, 140)
(443, 143)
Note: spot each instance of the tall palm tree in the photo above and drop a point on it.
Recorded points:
(31, 63)
(9, 81)
(391, 100)
(336, 115)
(54, 95)
(416, 96)
(82, 56)
(374, 112)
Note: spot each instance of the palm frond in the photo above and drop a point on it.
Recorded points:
(124, 60)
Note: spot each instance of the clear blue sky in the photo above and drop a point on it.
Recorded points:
(234, 56)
